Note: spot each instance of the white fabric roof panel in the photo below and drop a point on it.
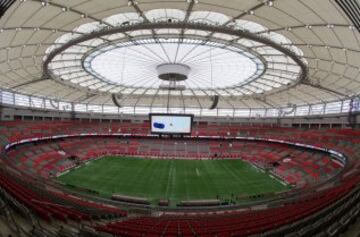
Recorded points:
(318, 29)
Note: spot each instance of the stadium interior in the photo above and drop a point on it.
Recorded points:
(180, 118)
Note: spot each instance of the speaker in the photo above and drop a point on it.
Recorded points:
(215, 101)
(53, 104)
(115, 99)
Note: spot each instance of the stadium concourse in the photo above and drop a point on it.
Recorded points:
(204, 118)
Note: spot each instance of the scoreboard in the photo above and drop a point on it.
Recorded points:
(177, 124)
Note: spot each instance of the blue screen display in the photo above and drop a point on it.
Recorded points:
(171, 124)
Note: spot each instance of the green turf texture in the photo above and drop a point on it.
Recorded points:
(172, 179)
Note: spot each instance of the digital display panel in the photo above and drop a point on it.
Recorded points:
(171, 123)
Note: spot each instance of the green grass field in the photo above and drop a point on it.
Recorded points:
(175, 180)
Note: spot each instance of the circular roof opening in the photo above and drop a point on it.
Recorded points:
(141, 65)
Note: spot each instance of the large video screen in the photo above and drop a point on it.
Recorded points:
(171, 123)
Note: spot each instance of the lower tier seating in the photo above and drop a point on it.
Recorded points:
(236, 224)
(57, 205)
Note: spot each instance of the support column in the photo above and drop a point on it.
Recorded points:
(1, 106)
(73, 114)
